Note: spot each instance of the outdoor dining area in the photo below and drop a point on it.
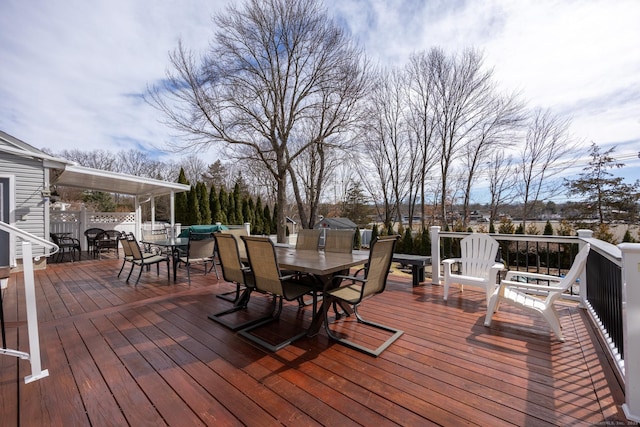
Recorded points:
(214, 347)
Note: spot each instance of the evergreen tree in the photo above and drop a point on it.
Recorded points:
(425, 242)
(193, 207)
(548, 229)
(203, 201)
(223, 199)
(520, 229)
(603, 193)
(627, 238)
(357, 239)
(274, 218)
(237, 204)
(374, 234)
(248, 210)
(258, 218)
(181, 200)
(267, 222)
(214, 205)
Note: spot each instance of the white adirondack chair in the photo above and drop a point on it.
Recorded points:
(527, 295)
(478, 266)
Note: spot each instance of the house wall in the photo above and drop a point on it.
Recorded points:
(28, 211)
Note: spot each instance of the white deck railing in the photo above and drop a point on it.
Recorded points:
(30, 300)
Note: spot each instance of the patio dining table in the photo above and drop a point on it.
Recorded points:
(319, 264)
(172, 245)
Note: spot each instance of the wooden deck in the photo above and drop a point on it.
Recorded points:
(120, 354)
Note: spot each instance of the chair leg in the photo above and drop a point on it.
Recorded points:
(347, 342)
(121, 268)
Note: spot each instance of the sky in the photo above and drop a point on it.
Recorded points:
(73, 72)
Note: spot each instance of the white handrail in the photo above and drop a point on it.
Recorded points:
(30, 300)
(28, 237)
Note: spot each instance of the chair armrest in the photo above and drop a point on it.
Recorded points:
(537, 276)
(450, 261)
(352, 278)
(531, 286)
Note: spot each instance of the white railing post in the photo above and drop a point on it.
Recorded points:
(247, 226)
(434, 231)
(583, 234)
(630, 330)
(32, 316)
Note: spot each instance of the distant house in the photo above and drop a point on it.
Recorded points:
(336, 224)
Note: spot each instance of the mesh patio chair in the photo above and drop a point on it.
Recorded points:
(358, 289)
(138, 259)
(528, 293)
(200, 250)
(308, 239)
(339, 241)
(268, 279)
(128, 252)
(236, 272)
(237, 233)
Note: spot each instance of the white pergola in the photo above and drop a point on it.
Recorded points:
(143, 189)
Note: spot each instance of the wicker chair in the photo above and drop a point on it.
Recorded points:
(90, 234)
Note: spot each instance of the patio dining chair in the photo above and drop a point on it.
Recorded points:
(90, 234)
(269, 279)
(200, 250)
(477, 265)
(525, 290)
(107, 240)
(237, 233)
(138, 259)
(357, 289)
(238, 273)
(308, 239)
(68, 245)
(339, 241)
(128, 252)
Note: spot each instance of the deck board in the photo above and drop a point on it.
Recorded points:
(121, 354)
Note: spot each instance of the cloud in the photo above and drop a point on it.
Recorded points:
(74, 71)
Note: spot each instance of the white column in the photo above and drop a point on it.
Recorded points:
(247, 226)
(631, 327)
(138, 218)
(434, 231)
(172, 204)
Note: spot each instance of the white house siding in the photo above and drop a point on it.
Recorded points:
(29, 204)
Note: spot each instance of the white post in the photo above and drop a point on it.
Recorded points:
(630, 329)
(247, 226)
(583, 234)
(434, 231)
(172, 213)
(32, 316)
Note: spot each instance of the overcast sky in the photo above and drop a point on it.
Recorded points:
(72, 71)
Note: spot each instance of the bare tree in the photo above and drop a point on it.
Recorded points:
(386, 144)
(547, 143)
(276, 67)
(422, 124)
(463, 92)
(501, 183)
(501, 117)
